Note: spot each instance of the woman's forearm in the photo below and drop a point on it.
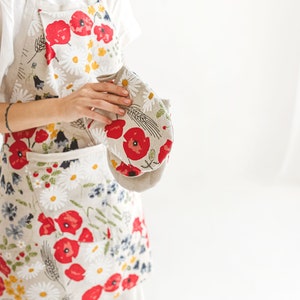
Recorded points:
(105, 96)
(21, 116)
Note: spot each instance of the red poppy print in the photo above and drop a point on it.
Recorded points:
(4, 268)
(130, 282)
(164, 150)
(128, 170)
(24, 134)
(113, 283)
(86, 236)
(66, 250)
(137, 226)
(47, 226)
(41, 136)
(104, 33)
(69, 221)
(18, 157)
(50, 53)
(81, 24)
(58, 32)
(136, 144)
(75, 272)
(2, 286)
(93, 294)
(115, 129)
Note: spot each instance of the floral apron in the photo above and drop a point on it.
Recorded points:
(68, 229)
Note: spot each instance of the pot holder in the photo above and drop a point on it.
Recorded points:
(140, 141)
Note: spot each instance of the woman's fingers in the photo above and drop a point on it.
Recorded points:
(105, 96)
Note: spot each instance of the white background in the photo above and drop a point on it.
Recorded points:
(225, 220)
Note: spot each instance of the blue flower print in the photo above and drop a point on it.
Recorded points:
(112, 187)
(15, 231)
(97, 191)
(9, 211)
(121, 196)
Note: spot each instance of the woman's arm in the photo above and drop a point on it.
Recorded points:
(105, 96)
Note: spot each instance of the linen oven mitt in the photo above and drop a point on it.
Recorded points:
(139, 142)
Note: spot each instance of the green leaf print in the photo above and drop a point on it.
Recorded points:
(160, 113)
(27, 259)
(22, 202)
(106, 248)
(28, 248)
(87, 185)
(52, 180)
(45, 177)
(5, 241)
(29, 183)
(151, 155)
(118, 217)
(32, 254)
(100, 212)
(2, 247)
(117, 210)
(112, 223)
(94, 226)
(76, 204)
(41, 164)
(11, 246)
(101, 220)
(55, 173)
(9, 262)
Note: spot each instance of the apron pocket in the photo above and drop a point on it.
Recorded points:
(71, 190)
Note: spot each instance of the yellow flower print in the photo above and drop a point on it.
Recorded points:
(91, 10)
(87, 69)
(95, 66)
(14, 288)
(114, 163)
(101, 8)
(52, 130)
(20, 289)
(89, 57)
(101, 51)
(90, 44)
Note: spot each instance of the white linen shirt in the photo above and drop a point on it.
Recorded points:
(11, 12)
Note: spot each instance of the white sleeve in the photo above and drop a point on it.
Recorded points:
(121, 14)
(10, 23)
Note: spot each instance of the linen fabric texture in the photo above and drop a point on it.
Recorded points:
(69, 230)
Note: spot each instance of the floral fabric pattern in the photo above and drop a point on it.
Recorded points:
(68, 229)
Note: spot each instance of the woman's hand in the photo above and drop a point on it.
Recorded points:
(103, 95)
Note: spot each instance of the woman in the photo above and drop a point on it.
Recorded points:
(68, 229)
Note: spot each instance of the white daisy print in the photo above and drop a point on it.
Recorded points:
(21, 244)
(7, 255)
(20, 94)
(44, 291)
(35, 25)
(73, 61)
(130, 82)
(37, 183)
(53, 198)
(56, 78)
(70, 178)
(92, 168)
(98, 134)
(94, 252)
(99, 271)
(149, 100)
(28, 272)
